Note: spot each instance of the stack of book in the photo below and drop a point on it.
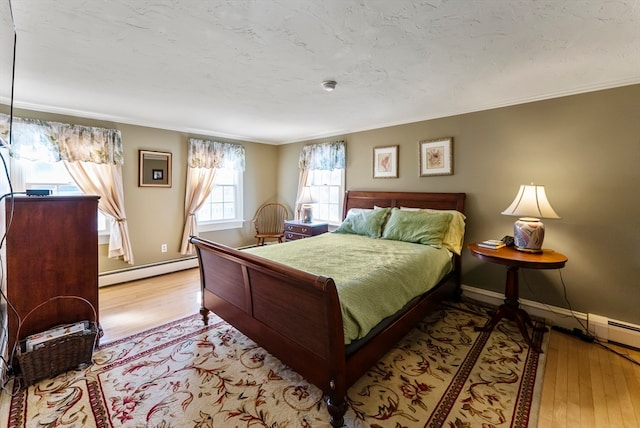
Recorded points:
(494, 244)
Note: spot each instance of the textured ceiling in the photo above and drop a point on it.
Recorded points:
(253, 69)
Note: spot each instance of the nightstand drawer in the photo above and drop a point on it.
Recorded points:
(297, 230)
(290, 236)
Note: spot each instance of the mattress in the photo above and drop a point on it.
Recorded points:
(375, 278)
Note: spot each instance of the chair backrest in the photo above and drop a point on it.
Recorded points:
(270, 219)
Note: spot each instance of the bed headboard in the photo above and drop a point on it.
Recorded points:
(438, 201)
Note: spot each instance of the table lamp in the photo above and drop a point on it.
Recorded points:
(306, 199)
(530, 205)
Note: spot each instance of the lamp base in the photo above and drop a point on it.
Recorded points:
(529, 250)
(528, 234)
(307, 216)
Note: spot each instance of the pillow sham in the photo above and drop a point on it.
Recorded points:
(420, 227)
(355, 211)
(367, 223)
(453, 239)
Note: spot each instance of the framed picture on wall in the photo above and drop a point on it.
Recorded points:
(385, 162)
(436, 157)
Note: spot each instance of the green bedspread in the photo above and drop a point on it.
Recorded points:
(375, 278)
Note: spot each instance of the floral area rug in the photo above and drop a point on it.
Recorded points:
(185, 374)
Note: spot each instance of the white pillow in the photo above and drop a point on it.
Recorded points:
(355, 211)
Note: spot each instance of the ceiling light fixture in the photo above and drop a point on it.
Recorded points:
(329, 85)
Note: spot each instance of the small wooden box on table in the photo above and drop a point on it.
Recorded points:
(295, 229)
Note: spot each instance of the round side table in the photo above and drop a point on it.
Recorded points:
(514, 260)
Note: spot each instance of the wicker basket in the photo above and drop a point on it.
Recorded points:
(58, 355)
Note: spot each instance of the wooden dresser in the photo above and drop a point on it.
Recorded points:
(51, 250)
(294, 229)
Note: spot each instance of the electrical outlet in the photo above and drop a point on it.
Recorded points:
(163, 248)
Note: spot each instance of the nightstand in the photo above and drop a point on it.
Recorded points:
(295, 229)
(514, 260)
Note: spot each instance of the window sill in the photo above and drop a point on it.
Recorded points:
(220, 225)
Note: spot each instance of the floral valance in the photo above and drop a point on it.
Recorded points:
(215, 154)
(62, 141)
(323, 156)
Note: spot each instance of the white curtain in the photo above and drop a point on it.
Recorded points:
(321, 156)
(303, 178)
(199, 184)
(18, 175)
(203, 159)
(105, 180)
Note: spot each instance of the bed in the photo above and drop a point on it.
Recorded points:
(297, 316)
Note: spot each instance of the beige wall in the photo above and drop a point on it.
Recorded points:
(585, 149)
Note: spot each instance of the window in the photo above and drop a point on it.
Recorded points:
(327, 188)
(223, 207)
(55, 177)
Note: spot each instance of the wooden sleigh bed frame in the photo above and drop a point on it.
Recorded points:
(296, 316)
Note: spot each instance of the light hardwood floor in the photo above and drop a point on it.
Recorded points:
(584, 384)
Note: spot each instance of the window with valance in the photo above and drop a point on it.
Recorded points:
(322, 170)
(213, 194)
(93, 158)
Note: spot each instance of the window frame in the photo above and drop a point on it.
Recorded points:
(341, 190)
(227, 224)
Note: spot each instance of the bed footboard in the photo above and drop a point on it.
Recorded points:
(292, 314)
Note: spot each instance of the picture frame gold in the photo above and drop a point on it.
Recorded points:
(154, 168)
(385, 162)
(436, 157)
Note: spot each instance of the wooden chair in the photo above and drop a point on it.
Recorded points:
(269, 222)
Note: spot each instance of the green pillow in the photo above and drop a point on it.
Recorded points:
(454, 236)
(367, 223)
(421, 227)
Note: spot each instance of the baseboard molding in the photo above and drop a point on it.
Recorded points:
(553, 315)
(605, 329)
(147, 271)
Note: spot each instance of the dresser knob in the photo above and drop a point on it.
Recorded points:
(304, 230)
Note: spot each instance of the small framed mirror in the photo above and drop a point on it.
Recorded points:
(155, 169)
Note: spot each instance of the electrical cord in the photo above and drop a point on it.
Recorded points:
(5, 378)
(585, 335)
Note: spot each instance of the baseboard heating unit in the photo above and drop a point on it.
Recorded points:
(608, 330)
(147, 271)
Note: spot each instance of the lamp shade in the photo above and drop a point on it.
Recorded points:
(306, 197)
(531, 204)
(531, 201)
